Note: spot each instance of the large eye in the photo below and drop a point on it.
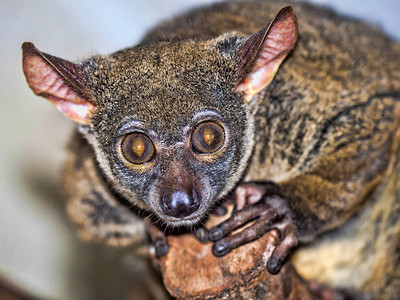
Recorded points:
(208, 137)
(137, 148)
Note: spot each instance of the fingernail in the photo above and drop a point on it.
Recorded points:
(220, 249)
(215, 234)
(274, 265)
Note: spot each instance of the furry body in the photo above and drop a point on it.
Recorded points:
(325, 130)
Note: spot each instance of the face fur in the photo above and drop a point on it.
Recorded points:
(176, 106)
(171, 123)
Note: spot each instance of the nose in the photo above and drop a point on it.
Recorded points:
(179, 204)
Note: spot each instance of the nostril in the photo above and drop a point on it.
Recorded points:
(166, 205)
(180, 204)
(195, 203)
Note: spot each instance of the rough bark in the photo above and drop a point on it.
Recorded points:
(191, 271)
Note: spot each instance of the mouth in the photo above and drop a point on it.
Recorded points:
(189, 221)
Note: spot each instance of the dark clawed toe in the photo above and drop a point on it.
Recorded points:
(271, 213)
(161, 247)
(284, 248)
(251, 233)
(215, 234)
(221, 248)
(238, 219)
(274, 265)
(202, 235)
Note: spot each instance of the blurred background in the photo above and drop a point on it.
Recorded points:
(39, 251)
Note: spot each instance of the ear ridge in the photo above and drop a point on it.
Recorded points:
(58, 80)
(263, 52)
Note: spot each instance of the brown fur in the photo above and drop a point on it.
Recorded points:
(325, 130)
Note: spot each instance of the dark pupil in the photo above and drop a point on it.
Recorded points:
(137, 148)
(208, 138)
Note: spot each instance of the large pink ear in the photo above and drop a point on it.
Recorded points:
(58, 80)
(263, 52)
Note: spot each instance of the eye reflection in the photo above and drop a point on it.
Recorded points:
(137, 148)
(208, 137)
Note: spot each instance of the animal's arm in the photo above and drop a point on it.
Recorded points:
(320, 204)
(350, 155)
(99, 214)
(349, 158)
